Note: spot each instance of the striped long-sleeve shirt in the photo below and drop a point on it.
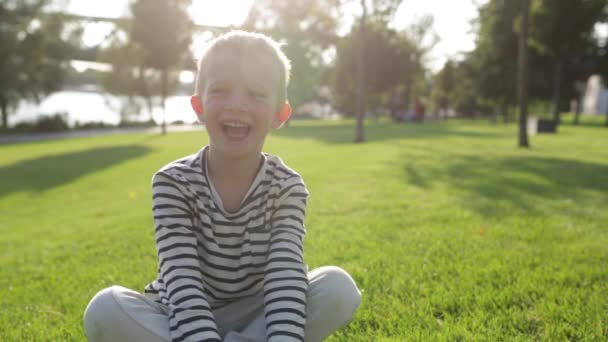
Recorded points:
(208, 257)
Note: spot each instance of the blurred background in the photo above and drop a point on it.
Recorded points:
(69, 65)
(452, 231)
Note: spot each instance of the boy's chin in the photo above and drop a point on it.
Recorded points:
(237, 151)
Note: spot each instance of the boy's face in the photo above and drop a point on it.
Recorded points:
(240, 101)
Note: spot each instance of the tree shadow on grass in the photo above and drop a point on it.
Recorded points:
(344, 133)
(41, 174)
(495, 186)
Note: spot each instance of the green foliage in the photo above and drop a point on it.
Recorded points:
(495, 55)
(456, 84)
(44, 123)
(486, 78)
(163, 31)
(391, 62)
(147, 53)
(562, 50)
(35, 52)
(451, 232)
(91, 125)
(563, 33)
(443, 91)
(308, 29)
(540, 109)
(564, 29)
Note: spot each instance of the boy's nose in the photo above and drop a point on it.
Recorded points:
(236, 101)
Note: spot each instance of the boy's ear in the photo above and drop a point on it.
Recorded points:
(197, 106)
(282, 115)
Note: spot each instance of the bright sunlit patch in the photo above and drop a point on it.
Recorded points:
(199, 43)
(601, 31)
(220, 13)
(203, 12)
(105, 9)
(186, 76)
(451, 23)
(95, 33)
(81, 66)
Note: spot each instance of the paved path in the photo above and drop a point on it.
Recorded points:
(27, 137)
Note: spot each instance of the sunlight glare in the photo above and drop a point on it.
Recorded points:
(220, 13)
(186, 76)
(199, 43)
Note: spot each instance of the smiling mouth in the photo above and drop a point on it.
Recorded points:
(236, 130)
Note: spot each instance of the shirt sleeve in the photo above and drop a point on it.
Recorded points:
(190, 316)
(286, 282)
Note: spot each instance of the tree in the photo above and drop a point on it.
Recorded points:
(34, 53)
(561, 50)
(444, 84)
(389, 65)
(603, 67)
(162, 29)
(466, 98)
(129, 78)
(495, 55)
(393, 62)
(308, 28)
(361, 80)
(422, 38)
(522, 74)
(563, 31)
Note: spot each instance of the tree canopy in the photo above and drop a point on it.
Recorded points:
(149, 51)
(309, 30)
(34, 54)
(390, 60)
(562, 50)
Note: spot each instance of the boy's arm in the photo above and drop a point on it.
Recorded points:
(286, 282)
(190, 316)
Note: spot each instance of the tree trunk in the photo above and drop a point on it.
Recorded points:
(606, 122)
(4, 107)
(522, 76)
(144, 92)
(577, 112)
(557, 80)
(361, 95)
(163, 94)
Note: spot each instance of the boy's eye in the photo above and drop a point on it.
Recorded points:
(257, 94)
(217, 91)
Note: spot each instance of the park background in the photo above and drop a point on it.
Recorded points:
(460, 177)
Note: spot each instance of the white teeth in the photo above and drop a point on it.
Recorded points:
(235, 124)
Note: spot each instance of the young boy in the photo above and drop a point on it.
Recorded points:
(230, 224)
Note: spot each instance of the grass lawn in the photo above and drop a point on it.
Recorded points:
(452, 232)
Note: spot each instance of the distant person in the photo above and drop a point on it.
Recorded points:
(230, 224)
(419, 110)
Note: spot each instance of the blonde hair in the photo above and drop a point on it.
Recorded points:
(245, 44)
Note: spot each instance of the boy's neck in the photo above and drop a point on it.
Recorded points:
(237, 170)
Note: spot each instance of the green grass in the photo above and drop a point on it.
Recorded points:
(450, 230)
(584, 119)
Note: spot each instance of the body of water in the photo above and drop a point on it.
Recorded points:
(94, 107)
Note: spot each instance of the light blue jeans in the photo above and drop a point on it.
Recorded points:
(118, 314)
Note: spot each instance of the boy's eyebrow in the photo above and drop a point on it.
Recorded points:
(215, 81)
(255, 84)
(261, 85)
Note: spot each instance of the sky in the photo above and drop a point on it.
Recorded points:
(451, 20)
(452, 23)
